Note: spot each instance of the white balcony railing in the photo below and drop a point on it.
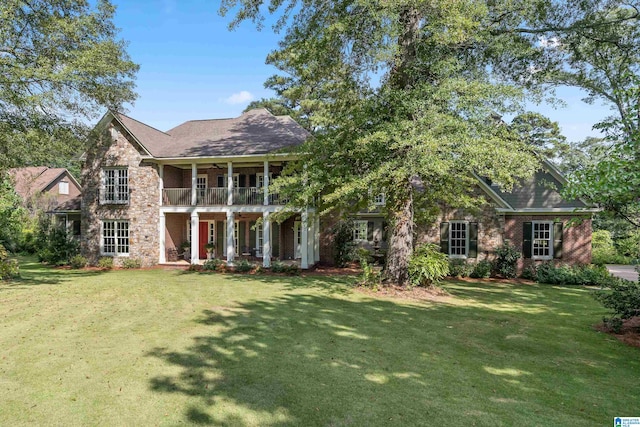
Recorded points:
(218, 196)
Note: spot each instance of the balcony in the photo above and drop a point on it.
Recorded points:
(218, 196)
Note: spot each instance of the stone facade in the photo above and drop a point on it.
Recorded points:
(115, 148)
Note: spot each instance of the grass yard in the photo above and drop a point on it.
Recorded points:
(169, 347)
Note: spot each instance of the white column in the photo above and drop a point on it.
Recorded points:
(316, 239)
(266, 240)
(310, 246)
(161, 182)
(304, 245)
(230, 184)
(194, 182)
(162, 227)
(231, 250)
(266, 182)
(194, 238)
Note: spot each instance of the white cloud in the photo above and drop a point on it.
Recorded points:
(241, 97)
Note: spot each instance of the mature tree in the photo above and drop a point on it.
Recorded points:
(60, 65)
(280, 106)
(404, 97)
(543, 133)
(606, 63)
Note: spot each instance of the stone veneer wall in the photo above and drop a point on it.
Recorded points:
(114, 148)
(576, 241)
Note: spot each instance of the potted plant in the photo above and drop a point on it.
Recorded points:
(186, 249)
(211, 250)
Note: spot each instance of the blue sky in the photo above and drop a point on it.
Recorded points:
(193, 67)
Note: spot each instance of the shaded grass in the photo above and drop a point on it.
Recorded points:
(168, 347)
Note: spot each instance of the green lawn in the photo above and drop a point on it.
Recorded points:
(168, 347)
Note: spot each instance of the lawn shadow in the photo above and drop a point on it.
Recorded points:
(34, 273)
(327, 360)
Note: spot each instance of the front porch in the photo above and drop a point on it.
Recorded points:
(196, 235)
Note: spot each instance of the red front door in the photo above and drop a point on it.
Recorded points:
(203, 237)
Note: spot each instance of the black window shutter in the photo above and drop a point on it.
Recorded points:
(242, 181)
(242, 226)
(527, 232)
(252, 180)
(221, 181)
(385, 230)
(444, 237)
(473, 240)
(557, 240)
(370, 231)
(220, 239)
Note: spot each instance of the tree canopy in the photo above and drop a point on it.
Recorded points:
(406, 97)
(61, 64)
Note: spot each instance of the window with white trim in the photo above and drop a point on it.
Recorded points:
(379, 199)
(259, 239)
(115, 237)
(201, 183)
(458, 238)
(360, 231)
(63, 187)
(541, 242)
(115, 186)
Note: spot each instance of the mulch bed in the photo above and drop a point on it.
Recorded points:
(629, 333)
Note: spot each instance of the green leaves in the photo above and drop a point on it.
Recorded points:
(60, 64)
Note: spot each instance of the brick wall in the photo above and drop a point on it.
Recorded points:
(576, 241)
(113, 148)
(490, 226)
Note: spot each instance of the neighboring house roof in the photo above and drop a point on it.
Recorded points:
(33, 180)
(255, 132)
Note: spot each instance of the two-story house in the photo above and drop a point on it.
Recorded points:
(148, 192)
(51, 190)
(157, 195)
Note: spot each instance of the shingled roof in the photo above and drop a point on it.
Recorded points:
(253, 133)
(31, 180)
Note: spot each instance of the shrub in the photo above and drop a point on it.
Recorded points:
(603, 250)
(214, 264)
(427, 265)
(105, 263)
(481, 270)
(8, 267)
(54, 245)
(292, 270)
(78, 261)
(529, 273)
(364, 255)
(370, 276)
(131, 263)
(622, 297)
(243, 266)
(278, 267)
(342, 243)
(506, 261)
(459, 268)
(553, 274)
(194, 267)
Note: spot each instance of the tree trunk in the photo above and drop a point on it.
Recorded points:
(400, 244)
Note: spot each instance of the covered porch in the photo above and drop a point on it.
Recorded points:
(200, 234)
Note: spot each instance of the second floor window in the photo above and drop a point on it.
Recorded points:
(115, 186)
(379, 199)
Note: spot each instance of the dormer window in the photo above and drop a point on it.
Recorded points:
(115, 186)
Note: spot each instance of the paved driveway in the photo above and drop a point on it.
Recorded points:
(625, 271)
